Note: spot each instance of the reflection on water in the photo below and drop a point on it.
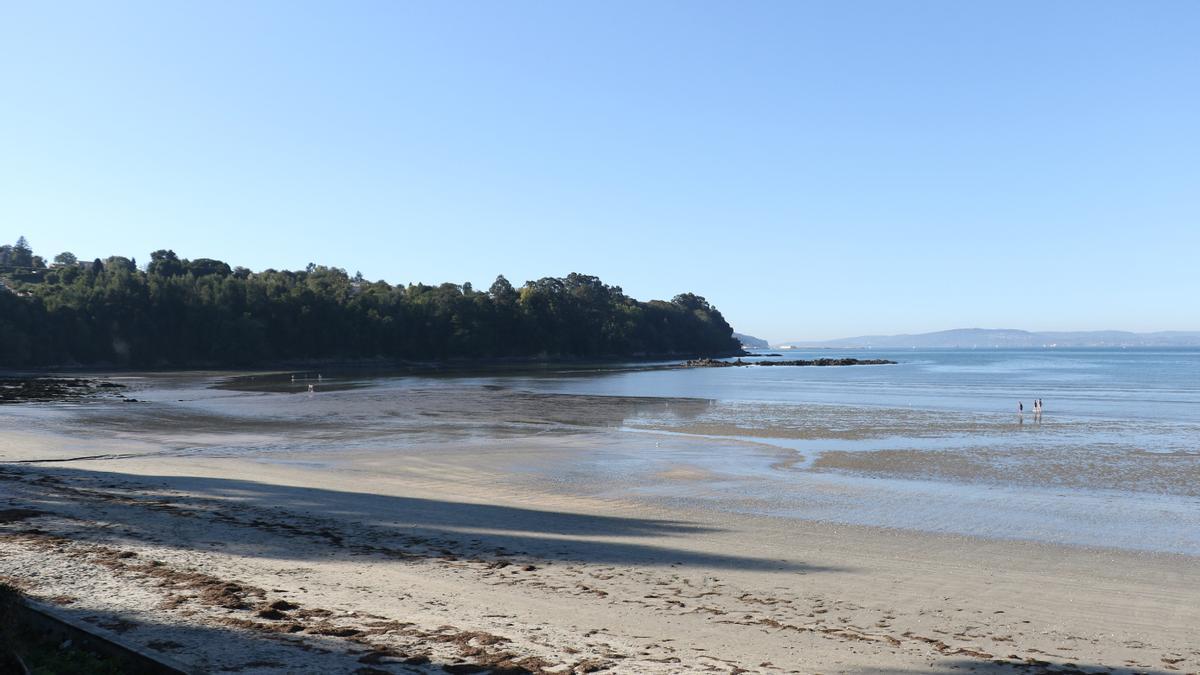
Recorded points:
(932, 443)
(1117, 384)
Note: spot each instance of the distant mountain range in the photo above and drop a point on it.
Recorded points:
(1003, 337)
(751, 342)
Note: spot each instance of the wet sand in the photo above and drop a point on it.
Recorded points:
(473, 549)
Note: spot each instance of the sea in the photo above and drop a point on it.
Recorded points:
(935, 442)
(932, 443)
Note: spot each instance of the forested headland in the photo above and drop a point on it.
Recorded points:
(175, 312)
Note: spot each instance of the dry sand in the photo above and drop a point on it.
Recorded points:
(359, 563)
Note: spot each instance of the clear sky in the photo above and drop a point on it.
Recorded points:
(815, 169)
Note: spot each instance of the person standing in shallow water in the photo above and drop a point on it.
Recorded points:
(1020, 408)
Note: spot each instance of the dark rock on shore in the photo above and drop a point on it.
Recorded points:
(830, 362)
(46, 389)
(712, 363)
(716, 363)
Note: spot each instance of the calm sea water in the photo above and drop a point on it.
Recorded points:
(933, 443)
(1118, 384)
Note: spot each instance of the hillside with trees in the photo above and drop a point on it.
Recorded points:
(178, 313)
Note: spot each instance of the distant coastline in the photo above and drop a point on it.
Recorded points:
(1004, 338)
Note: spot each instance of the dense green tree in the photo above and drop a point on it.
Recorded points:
(202, 312)
(503, 292)
(120, 262)
(201, 267)
(22, 254)
(164, 263)
(65, 258)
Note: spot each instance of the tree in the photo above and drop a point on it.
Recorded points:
(201, 267)
(502, 291)
(691, 301)
(22, 254)
(164, 263)
(118, 262)
(200, 313)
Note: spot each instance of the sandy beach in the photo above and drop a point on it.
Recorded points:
(454, 560)
(634, 338)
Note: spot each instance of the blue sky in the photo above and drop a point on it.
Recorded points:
(814, 169)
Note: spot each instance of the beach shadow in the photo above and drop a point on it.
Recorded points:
(297, 523)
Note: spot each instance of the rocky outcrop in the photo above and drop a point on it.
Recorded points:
(716, 363)
(712, 363)
(829, 362)
(46, 389)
